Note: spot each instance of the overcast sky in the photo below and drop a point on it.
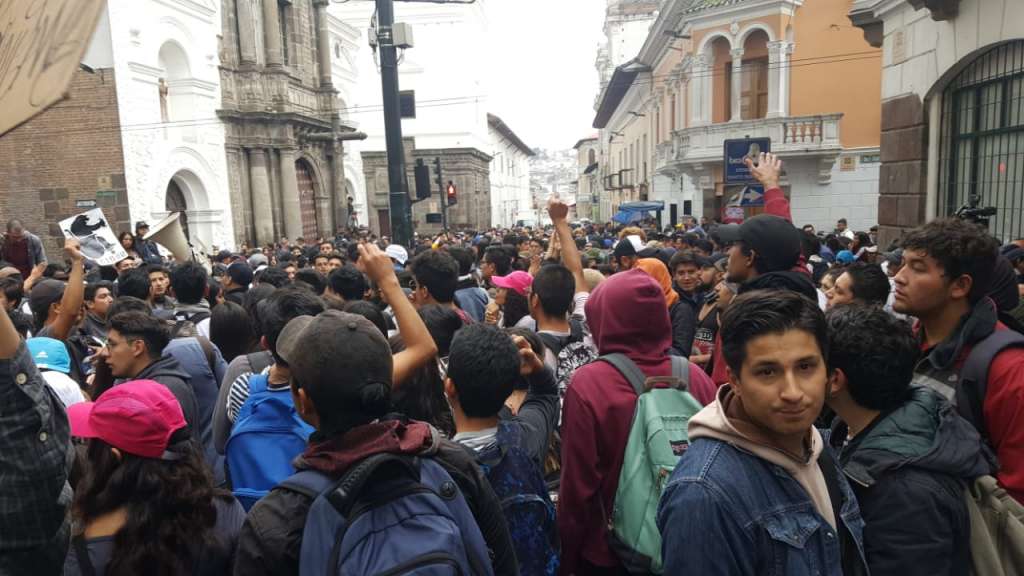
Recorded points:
(543, 57)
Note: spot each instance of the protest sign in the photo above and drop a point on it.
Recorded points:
(98, 241)
(41, 45)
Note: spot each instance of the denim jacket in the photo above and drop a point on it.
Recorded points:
(728, 512)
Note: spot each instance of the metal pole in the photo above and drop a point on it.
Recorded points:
(400, 207)
(443, 191)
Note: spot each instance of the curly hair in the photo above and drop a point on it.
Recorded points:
(170, 507)
(516, 307)
(422, 397)
(960, 248)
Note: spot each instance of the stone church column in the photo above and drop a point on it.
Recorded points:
(290, 195)
(246, 32)
(272, 32)
(263, 214)
(323, 42)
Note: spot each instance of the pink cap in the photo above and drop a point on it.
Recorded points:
(518, 281)
(137, 417)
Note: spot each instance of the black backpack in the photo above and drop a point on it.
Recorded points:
(973, 385)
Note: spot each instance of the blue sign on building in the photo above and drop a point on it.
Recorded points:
(736, 153)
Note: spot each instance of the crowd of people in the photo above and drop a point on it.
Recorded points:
(734, 399)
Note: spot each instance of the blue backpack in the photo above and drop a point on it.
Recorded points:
(529, 513)
(389, 514)
(268, 434)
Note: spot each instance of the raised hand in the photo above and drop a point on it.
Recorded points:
(767, 170)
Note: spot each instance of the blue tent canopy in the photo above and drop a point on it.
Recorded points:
(636, 211)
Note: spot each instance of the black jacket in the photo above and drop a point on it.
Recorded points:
(909, 469)
(684, 328)
(787, 280)
(271, 538)
(538, 415)
(168, 372)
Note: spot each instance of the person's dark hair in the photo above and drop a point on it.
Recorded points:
(438, 273)
(554, 285)
(810, 244)
(313, 279)
(133, 282)
(150, 268)
(536, 344)
(213, 291)
(22, 322)
(141, 326)
(421, 396)
(682, 257)
(13, 287)
(92, 288)
(761, 312)
(189, 283)
(352, 250)
(832, 242)
(876, 351)
(841, 221)
(320, 256)
(348, 282)
(704, 245)
(516, 307)
(442, 323)
(123, 304)
(500, 258)
(960, 248)
(834, 273)
(870, 284)
(281, 307)
(169, 505)
(483, 364)
(863, 240)
(251, 302)
(367, 310)
(275, 276)
(231, 330)
(120, 238)
(463, 257)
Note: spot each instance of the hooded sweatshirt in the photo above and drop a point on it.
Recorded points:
(626, 314)
(727, 421)
(168, 372)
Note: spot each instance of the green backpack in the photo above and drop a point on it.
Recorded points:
(657, 438)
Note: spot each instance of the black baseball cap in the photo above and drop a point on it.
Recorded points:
(774, 240)
(141, 224)
(45, 293)
(336, 348)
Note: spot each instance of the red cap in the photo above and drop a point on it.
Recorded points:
(137, 417)
(518, 281)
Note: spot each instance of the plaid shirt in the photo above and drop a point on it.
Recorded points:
(35, 459)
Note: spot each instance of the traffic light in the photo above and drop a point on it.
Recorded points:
(422, 180)
(452, 194)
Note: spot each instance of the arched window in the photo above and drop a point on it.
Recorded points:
(591, 157)
(173, 87)
(982, 135)
(175, 202)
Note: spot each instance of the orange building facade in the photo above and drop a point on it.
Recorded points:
(794, 71)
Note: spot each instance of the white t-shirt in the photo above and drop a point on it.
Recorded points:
(66, 389)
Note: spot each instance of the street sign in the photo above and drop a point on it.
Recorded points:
(736, 153)
(752, 195)
(85, 203)
(433, 218)
(41, 44)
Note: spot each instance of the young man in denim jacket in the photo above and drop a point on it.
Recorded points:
(758, 492)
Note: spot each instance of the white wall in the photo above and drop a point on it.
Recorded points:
(191, 150)
(510, 180)
(851, 194)
(347, 45)
(447, 68)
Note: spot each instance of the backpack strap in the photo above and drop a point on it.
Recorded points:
(257, 384)
(309, 483)
(82, 553)
(552, 342)
(345, 496)
(207, 347)
(629, 369)
(257, 361)
(575, 331)
(681, 370)
(970, 394)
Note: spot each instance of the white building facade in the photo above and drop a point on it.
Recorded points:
(952, 109)
(510, 174)
(165, 57)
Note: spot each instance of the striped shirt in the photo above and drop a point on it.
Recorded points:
(239, 392)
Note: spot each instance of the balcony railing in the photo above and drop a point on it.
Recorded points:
(791, 136)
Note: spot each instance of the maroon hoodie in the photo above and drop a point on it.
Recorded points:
(626, 314)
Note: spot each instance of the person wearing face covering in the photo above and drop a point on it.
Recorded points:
(682, 315)
(627, 314)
